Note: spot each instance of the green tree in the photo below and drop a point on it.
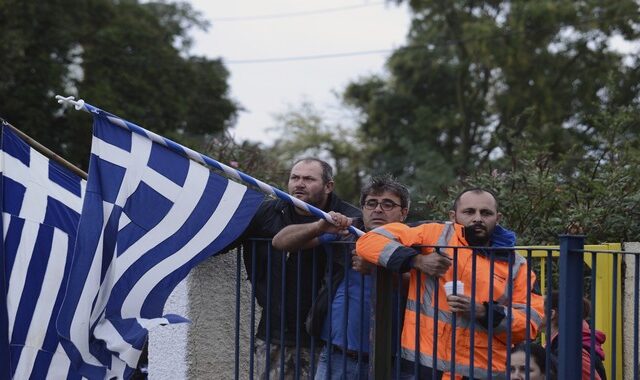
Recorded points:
(477, 78)
(305, 132)
(129, 58)
(251, 158)
(598, 196)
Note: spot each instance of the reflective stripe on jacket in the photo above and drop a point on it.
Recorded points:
(389, 246)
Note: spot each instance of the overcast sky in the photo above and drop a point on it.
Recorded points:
(254, 30)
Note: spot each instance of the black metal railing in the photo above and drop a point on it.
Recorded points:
(563, 268)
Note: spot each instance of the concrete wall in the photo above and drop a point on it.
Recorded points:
(204, 349)
(628, 287)
(168, 356)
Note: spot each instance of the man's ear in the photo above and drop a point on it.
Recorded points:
(328, 187)
(452, 216)
(404, 211)
(499, 217)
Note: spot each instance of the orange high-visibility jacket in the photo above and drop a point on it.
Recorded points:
(389, 246)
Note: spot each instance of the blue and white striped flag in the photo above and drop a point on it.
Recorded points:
(41, 202)
(149, 216)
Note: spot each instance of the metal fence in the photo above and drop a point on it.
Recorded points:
(286, 286)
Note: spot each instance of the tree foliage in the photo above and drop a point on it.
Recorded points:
(251, 158)
(477, 78)
(598, 196)
(306, 133)
(126, 57)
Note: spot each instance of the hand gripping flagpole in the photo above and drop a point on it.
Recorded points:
(205, 160)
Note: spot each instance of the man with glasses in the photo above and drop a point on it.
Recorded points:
(383, 201)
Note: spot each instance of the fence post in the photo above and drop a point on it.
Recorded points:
(570, 305)
(381, 305)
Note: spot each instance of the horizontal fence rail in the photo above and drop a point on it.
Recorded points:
(385, 325)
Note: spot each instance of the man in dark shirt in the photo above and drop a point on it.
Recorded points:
(311, 180)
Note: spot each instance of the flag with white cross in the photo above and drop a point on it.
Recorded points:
(41, 202)
(149, 216)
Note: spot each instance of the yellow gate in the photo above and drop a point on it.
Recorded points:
(604, 293)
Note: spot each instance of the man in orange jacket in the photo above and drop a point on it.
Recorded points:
(471, 332)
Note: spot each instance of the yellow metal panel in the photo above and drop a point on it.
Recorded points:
(604, 304)
(604, 294)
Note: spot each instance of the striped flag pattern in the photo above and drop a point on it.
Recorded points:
(149, 216)
(41, 203)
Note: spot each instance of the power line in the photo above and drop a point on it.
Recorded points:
(308, 57)
(295, 14)
(431, 45)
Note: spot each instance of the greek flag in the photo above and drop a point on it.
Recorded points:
(149, 216)
(41, 202)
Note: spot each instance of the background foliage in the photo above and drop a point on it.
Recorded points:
(530, 98)
(128, 58)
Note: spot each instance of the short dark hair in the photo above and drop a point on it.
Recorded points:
(327, 170)
(554, 297)
(539, 355)
(477, 190)
(380, 184)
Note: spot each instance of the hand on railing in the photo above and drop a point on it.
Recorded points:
(361, 265)
(433, 264)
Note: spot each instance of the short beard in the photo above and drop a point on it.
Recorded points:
(473, 239)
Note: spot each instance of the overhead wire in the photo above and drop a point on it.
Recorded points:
(308, 57)
(296, 14)
(443, 42)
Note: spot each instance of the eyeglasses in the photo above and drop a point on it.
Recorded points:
(385, 204)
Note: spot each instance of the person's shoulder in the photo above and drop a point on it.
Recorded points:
(428, 226)
(267, 207)
(269, 213)
(418, 223)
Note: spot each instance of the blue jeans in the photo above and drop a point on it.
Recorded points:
(322, 371)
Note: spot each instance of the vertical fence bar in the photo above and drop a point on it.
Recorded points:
(592, 313)
(267, 366)
(380, 355)
(614, 315)
(570, 319)
(527, 328)
(636, 327)
(490, 333)
(346, 260)
(547, 311)
(252, 317)
(453, 315)
(236, 367)
(398, 326)
(436, 302)
(314, 292)
(509, 311)
(283, 310)
(472, 336)
(329, 279)
(362, 330)
(298, 299)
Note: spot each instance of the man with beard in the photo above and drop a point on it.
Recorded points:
(483, 261)
(310, 180)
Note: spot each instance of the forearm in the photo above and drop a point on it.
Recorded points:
(389, 246)
(297, 236)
